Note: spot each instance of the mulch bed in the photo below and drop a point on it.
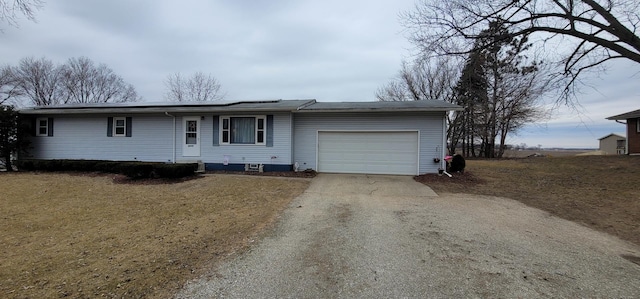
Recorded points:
(123, 179)
(466, 178)
(289, 174)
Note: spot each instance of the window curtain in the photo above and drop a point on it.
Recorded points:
(243, 130)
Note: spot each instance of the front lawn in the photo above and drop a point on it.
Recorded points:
(83, 235)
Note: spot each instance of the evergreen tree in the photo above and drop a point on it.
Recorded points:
(499, 88)
(10, 139)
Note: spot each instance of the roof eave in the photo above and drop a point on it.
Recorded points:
(149, 110)
(625, 116)
(612, 134)
(379, 110)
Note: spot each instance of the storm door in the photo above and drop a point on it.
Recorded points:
(191, 137)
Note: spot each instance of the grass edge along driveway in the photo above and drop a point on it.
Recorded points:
(600, 192)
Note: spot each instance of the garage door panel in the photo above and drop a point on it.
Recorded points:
(368, 152)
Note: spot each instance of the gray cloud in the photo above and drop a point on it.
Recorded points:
(329, 50)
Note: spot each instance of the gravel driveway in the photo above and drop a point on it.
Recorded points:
(389, 237)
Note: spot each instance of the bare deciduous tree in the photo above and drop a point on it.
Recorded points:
(592, 31)
(10, 11)
(41, 83)
(84, 82)
(38, 80)
(498, 86)
(424, 79)
(197, 88)
(8, 86)
(428, 79)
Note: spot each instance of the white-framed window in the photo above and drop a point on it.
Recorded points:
(638, 125)
(243, 129)
(42, 126)
(119, 126)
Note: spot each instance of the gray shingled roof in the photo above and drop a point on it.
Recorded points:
(632, 114)
(381, 106)
(144, 107)
(243, 106)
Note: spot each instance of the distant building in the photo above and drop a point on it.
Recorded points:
(632, 119)
(613, 144)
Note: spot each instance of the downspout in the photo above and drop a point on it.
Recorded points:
(443, 153)
(291, 149)
(443, 162)
(174, 136)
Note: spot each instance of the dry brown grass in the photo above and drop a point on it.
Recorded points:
(601, 192)
(546, 152)
(84, 236)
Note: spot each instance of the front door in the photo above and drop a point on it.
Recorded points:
(191, 137)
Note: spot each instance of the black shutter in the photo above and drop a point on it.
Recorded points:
(109, 126)
(129, 121)
(50, 126)
(34, 127)
(269, 130)
(216, 130)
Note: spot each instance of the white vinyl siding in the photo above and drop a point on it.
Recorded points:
(394, 152)
(83, 137)
(429, 126)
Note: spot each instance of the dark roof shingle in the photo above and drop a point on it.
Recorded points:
(632, 114)
(382, 106)
(243, 106)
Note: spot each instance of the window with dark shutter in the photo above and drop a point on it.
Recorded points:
(44, 126)
(243, 129)
(119, 126)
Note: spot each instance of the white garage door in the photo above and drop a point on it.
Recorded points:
(368, 152)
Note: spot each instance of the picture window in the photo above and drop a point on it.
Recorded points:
(243, 130)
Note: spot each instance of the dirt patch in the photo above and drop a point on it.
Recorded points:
(84, 236)
(597, 191)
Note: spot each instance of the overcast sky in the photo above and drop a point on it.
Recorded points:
(326, 50)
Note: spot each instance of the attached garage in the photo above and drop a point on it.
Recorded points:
(398, 138)
(370, 152)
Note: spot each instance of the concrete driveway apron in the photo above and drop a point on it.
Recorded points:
(360, 236)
